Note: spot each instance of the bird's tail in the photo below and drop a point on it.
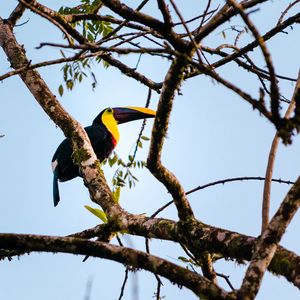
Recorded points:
(55, 188)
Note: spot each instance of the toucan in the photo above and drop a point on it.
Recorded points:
(104, 136)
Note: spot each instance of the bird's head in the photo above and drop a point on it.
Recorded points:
(111, 117)
(124, 114)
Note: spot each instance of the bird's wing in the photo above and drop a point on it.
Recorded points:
(62, 162)
(101, 140)
(97, 133)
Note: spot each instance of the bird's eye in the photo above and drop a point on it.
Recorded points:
(109, 110)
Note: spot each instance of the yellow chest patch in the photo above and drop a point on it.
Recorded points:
(111, 124)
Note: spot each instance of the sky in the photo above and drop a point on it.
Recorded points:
(213, 135)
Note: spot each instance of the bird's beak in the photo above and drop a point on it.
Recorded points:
(131, 113)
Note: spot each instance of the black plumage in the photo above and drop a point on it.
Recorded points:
(103, 142)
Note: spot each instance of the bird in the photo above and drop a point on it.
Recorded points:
(104, 136)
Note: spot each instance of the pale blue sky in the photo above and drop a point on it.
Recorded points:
(213, 135)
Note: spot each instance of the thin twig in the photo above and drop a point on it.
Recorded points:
(187, 30)
(252, 68)
(124, 283)
(106, 49)
(106, 57)
(141, 131)
(198, 17)
(123, 23)
(261, 74)
(132, 36)
(48, 63)
(254, 102)
(286, 11)
(50, 19)
(271, 162)
(159, 282)
(157, 294)
(73, 18)
(126, 271)
(223, 181)
(204, 15)
(267, 56)
(255, 43)
(226, 277)
(156, 25)
(119, 240)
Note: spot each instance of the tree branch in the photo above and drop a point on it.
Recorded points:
(172, 82)
(54, 17)
(138, 259)
(273, 84)
(265, 37)
(16, 14)
(163, 7)
(128, 13)
(98, 188)
(266, 246)
(47, 63)
(223, 181)
(254, 103)
(223, 15)
(271, 162)
(202, 237)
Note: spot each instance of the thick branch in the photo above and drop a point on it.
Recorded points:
(16, 14)
(99, 190)
(266, 246)
(165, 13)
(202, 237)
(138, 259)
(171, 84)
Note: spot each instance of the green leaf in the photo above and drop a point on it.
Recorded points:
(184, 259)
(98, 213)
(116, 194)
(90, 37)
(70, 84)
(145, 138)
(114, 159)
(61, 90)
